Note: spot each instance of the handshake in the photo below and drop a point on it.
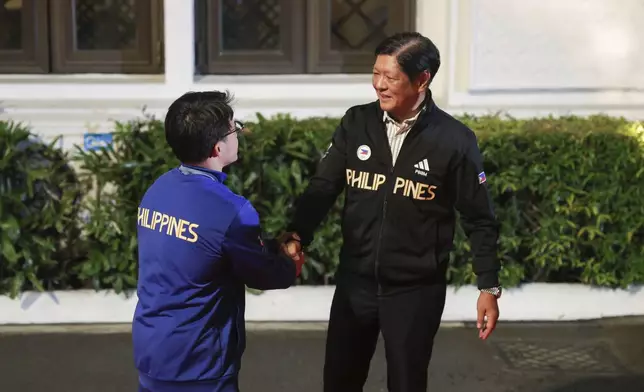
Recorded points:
(291, 246)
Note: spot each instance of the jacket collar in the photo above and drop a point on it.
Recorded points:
(376, 128)
(428, 112)
(198, 170)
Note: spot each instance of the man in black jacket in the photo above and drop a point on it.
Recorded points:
(405, 166)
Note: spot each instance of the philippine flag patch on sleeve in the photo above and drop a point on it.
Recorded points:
(482, 178)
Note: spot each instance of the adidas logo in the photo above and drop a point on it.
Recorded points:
(422, 167)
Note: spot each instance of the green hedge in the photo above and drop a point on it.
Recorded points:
(568, 192)
(40, 199)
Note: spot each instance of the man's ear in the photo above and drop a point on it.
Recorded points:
(423, 80)
(216, 150)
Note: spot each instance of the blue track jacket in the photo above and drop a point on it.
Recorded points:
(199, 244)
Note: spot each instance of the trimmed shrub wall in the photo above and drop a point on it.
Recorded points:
(568, 192)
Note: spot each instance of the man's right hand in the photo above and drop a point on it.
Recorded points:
(290, 243)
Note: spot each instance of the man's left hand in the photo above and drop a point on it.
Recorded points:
(487, 314)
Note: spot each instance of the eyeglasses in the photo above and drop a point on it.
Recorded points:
(238, 128)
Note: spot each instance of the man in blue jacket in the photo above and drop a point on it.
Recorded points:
(199, 245)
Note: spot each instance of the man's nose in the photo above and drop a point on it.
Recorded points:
(380, 84)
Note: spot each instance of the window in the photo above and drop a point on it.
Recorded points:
(76, 36)
(232, 36)
(23, 36)
(295, 36)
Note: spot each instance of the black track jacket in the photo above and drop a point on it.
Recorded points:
(398, 221)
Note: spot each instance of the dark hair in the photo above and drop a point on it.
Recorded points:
(415, 53)
(195, 122)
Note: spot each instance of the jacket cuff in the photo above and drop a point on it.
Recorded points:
(305, 237)
(488, 280)
(271, 245)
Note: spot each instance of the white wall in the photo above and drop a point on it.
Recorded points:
(550, 45)
(541, 57)
(528, 58)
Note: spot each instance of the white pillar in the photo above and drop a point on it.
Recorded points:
(179, 22)
(433, 21)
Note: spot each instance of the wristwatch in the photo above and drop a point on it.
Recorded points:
(495, 291)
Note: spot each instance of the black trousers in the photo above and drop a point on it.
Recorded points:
(408, 320)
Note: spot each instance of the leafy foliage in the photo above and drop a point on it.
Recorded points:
(117, 178)
(277, 157)
(40, 199)
(567, 192)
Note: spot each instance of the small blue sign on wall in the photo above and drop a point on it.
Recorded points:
(97, 141)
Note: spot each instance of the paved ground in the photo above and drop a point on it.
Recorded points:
(526, 358)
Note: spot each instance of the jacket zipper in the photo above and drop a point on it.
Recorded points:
(384, 212)
(382, 225)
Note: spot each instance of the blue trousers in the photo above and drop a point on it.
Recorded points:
(229, 384)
